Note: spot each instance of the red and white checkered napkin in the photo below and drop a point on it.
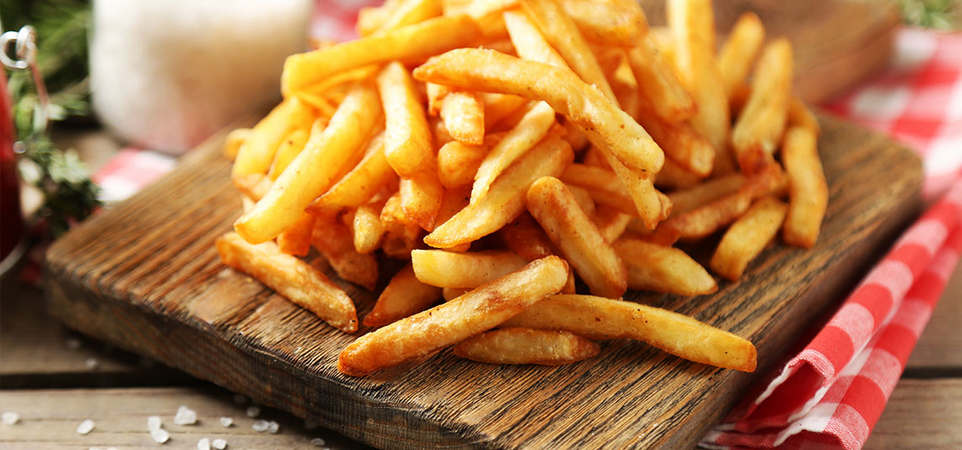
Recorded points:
(831, 394)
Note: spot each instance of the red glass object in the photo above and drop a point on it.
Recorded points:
(11, 216)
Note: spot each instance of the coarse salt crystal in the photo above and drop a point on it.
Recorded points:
(160, 435)
(203, 444)
(10, 418)
(273, 427)
(226, 422)
(185, 416)
(85, 427)
(253, 411)
(318, 442)
(91, 363)
(219, 444)
(153, 423)
(260, 426)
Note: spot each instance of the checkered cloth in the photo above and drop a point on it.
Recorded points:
(832, 393)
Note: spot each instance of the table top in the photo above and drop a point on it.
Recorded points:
(54, 379)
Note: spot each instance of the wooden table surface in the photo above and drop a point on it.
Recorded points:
(54, 379)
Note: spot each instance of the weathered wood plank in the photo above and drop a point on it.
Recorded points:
(939, 349)
(920, 414)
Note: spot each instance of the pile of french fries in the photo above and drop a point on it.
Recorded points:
(507, 149)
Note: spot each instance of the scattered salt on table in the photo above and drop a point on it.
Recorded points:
(185, 416)
(85, 427)
(273, 427)
(219, 444)
(260, 426)
(318, 442)
(91, 363)
(226, 422)
(10, 418)
(153, 423)
(160, 435)
(203, 444)
(253, 411)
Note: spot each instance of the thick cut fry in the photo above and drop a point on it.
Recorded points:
(808, 190)
(335, 242)
(296, 240)
(611, 223)
(570, 229)
(602, 318)
(315, 169)
(408, 142)
(607, 126)
(367, 227)
(290, 147)
(583, 198)
(737, 56)
(529, 42)
(705, 193)
(531, 129)
(602, 184)
(527, 346)
(410, 42)
(674, 176)
(455, 199)
(525, 238)
(234, 140)
(562, 33)
(410, 12)
(463, 116)
(498, 107)
(800, 115)
(436, 94)
(294, 279)
(421, 197)
(257, 151)
(360, 184)
(459, 162)
(447, 324)
(653, 206)
(612, 23)
(403, 296)
(658, 84)
(747, 237)
(463, 270)
(505, 199)
(653, 267)
(759, 128)
(680, 142)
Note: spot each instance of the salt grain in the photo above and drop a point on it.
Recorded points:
(10, 418)
(153, 423)
(219, 444)
(203, 444)
(85, 427)
(260, 426)
(92, 363)
(253, 411)
(73, 343)
(226, 422)
(185, 416)
(273, 427)
(318, 442)
(160, 435)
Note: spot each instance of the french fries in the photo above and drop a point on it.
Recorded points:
(403, 296)
(234, 140)
(527, 346)
(653, 267)
(359, 185)
(759, 128)
(736, 57)
(808, 190)
(335, 241)
(658, 84)
(747, 237)
(256, 152)
(526, 239)
(463, 116)
(463, 270)
(459, 162)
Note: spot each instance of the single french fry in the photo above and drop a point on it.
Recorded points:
(458, 163)
(449, 323)
(674, 176)
(808, 189)
(658, 84)
(367, 227)
(527, 346)
(679, 141)
(315, 169)
(497, 107)
(463, 116)
(759, 128)
(705, 193)
(561, 32)
(335, 242)
(747, 237)
(257, 151)
(570, 229)
(360, 184)
(294, 279)
(618, 24)
(529, 42)
(410, 12)
(436, 94)
(290, 147)
(234, 140)
(533, 127)
(410, 42)
(653, 267)
(421, 197)
(603, 318)
(611, 222)
(371, 19)
(403, 296)
(737, 56)
(408, 143)
(505, 198)
(607, 126)
(463, 270)
(454, 200)
(296, 240)
(652, 206)
(602, 184)
(583, 198)
(800, 115)
(524, 237)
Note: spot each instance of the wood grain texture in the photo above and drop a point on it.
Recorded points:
(836, 43)
(144, 276)
(920, 414)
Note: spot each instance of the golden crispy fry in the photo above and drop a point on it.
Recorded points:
(499, 107)
(296, 240)
(290, 147)
(705, 193)
(463, 116)
(502, 45)
(459, 162)
(403, 296)
(800, 115)
(447, 324)
(737, 56)
(583, 198)
(747, 237)
(680, 142)
(421, 197)
(807, 187)
(408, 143)
(436, 94)
(562, 33)
(335, 242)
(452, 293)
(367, 227)
(611, 222)
(602, 184)
(400, 239)
(524, 237)
(653, 267)
(455, 199)
(253, 186)
(371, 18)
(410, 12)
(653, 206)
(658, 84)
(257, 151)
(602, 318)
(410, 42)
(554, 207)
(612, 23)
(505, 199)
(607, 126)
(463, 270)
(529, 42)
(759, 128)
(674, 176)
(527, 346)
(360, 184)
(234, 140)
(478, 9)
(315, 169)
(294, 279)
(528, 132)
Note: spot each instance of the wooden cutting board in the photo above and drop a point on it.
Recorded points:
(144, 276)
